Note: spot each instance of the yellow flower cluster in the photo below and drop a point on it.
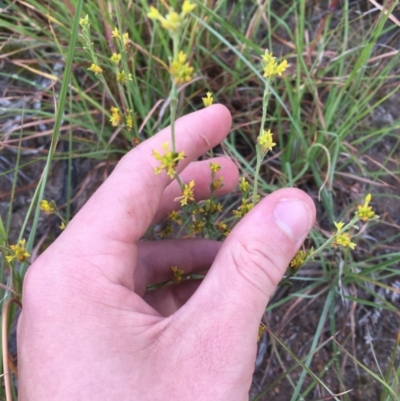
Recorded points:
(215, 167)
(177, 274)
(365, 211)
(196, 227)
(166, 231)
(116, 117)
(84, 21)
(168, 161)
(180, 69)
(223, 228)
(115, 33)
(187, 193)
(172, 22)
(217, 183)
(129, 120)
(47, 207)
(266, 142)
(96, 69)
(125, 36)
(115, 58)
(175, 217)
(271, 67)
(342, 239)
(121, 77)
(19, 252)
(299, 258)
(208, 100)
(210, 207)
(243, 209)
(244, 186)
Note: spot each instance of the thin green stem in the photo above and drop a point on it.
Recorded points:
(258, 147)
(173, 107)
(174, 93)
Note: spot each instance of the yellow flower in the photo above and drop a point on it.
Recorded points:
(210, 207)
(271, 67)
(154, 14)
(62, 226)
(180, 69)
(266, 141)
(223, 228)
(342, 239)
(121, 77)
(244, 186)
(365, 211)
(187, 7)
(115, 33)
(281, 68)
(216, 184)
(166, 231)
(215, 167)
(129, 120)
(299, 258)
(84, 21)
(47, 207)
(267, 57)
(175, 217)
(125, 38)
(177, 274)
(187, 193)
(95, 68)
(172, 22)
(338, 226)
(116, 117)
(168, 161)
(197, 226)
(18, 252)
(115, 58)
(243, 209)
(208, 100)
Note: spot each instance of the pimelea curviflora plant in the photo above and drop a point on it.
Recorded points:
(121, 113)
(194, 218)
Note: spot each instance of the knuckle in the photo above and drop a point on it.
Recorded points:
(258, 263)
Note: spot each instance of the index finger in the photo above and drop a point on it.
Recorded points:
(123, 207)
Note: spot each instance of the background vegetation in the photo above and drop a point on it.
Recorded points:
(334, 333)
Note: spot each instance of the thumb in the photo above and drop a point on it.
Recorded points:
(254, 259)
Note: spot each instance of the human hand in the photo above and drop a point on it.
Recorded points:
(89, 331)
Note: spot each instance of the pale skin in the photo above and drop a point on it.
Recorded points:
(88, 329)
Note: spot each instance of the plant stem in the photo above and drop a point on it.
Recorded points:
(173, 107)
(260, 156)
(174, 93)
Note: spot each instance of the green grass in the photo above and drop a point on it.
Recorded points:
(343, 73)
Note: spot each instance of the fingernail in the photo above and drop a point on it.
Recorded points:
(293, 217)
